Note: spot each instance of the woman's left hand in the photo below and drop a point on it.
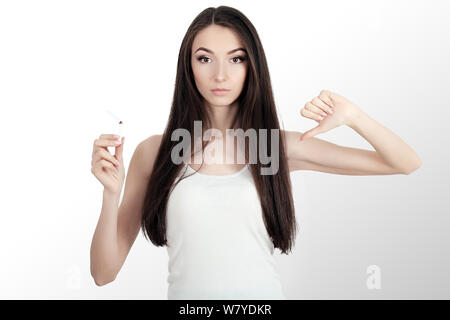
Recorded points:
(330, 110)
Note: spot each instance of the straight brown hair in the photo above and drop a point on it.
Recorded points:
(256, 110)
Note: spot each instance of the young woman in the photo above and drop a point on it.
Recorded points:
(222, 221)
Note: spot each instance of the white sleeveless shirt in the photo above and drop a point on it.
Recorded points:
(218, 245)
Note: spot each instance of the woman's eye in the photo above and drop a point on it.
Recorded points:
(201, 59)
(241, 58)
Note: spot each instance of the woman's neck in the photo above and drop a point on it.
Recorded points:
(222, 117)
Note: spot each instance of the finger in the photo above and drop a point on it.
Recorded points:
(311, 115)
(311, 107)
(104, 164)
(112, 171)
(104, 143)
(109, 136)
(306, 135)
(106, 140)
(325, 96)
(119, 150)
(103, 154)
(322, 105)
(310, 133)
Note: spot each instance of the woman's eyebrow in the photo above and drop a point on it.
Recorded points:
(230, 52)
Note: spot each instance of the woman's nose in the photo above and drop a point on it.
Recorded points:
(220, 71)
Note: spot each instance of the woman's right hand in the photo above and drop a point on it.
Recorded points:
(108, 168)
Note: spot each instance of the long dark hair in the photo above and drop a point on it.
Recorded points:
(256, 109)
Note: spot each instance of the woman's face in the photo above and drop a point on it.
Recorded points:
(217, 65)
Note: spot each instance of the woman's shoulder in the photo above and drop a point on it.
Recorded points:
(147, 151)
(151, 145)
(152, 142)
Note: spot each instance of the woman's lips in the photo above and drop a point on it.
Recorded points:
(220, 92)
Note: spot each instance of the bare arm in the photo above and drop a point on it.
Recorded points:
(118, 228)
(320, 155)
(391, 155)
(103, 247)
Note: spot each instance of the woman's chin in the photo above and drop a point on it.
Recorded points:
(219, 103)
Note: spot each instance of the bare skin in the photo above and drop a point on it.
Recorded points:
(221, 69)
(304, 151)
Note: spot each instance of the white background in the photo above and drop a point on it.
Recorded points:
(63, 63)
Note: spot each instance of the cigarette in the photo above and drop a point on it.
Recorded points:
(119, 124)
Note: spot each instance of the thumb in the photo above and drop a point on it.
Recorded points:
(119, 150)
(310, 133)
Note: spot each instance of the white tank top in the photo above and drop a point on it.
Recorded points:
(218, 245)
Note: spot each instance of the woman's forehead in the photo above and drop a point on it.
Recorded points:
(218, 40)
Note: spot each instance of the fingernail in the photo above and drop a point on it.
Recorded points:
(320, 117)
(330, 110)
